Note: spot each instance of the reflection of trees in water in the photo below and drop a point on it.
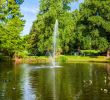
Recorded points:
(25, 83)
(8, 85)
(46, 83)
(71, 82)
(99, 89)
(108, 77)
(73, 77)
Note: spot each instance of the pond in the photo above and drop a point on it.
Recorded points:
(75, 81)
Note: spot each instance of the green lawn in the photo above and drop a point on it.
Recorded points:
(84, 58)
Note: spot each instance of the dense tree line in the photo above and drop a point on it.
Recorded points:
(86, 28)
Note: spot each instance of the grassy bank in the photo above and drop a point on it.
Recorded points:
(85, 59)
(63, 58)
(35, 59)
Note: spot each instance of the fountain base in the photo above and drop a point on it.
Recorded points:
(44, 67)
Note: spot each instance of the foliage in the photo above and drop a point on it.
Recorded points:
(11, 24)
(62, 58)
(22, 54)
(91, 52)
(87, 28)
(93, 24)
(42, 30)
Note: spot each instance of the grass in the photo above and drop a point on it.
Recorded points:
(65, 59)
(86, 59)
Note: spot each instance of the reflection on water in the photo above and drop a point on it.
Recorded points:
(28, 93)
(77, 81)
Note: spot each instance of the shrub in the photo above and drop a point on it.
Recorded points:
(22, 54)
(63, 59)
(91, 52)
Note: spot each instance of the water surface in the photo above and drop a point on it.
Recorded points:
(76, 81)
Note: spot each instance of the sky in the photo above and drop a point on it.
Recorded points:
(30, 10)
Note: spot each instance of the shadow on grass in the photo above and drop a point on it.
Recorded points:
(93, 56)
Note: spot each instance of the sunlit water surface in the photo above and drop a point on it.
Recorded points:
(76, 81)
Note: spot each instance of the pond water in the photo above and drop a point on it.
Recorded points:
(75, 81)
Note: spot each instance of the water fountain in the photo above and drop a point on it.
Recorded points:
(52, 56)
(55, 35)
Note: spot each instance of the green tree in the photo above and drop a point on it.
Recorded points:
(42, 30)
(93, 21)
(11, 25)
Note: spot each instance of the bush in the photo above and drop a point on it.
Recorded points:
(91, 52)
(22, 54)
(63, 59)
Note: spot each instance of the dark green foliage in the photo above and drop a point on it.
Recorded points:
(93, 24)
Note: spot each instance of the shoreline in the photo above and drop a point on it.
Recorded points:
(62, 59)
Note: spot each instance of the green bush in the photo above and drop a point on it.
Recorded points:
(22, 54)
(63, 59)
(91, 52)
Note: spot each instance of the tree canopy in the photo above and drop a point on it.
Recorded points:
(85, 28)
(11, 25)
(92, 24)
(42, 30)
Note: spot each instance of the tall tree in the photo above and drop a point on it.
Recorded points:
(42, 30)
(93, 24)
(11, 25)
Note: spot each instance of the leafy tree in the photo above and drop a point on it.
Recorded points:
(42, 30)
(93, 21)
(11, 24)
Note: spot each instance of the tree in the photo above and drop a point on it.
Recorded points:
(42, 30)
(94, 22)
(11, 25)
